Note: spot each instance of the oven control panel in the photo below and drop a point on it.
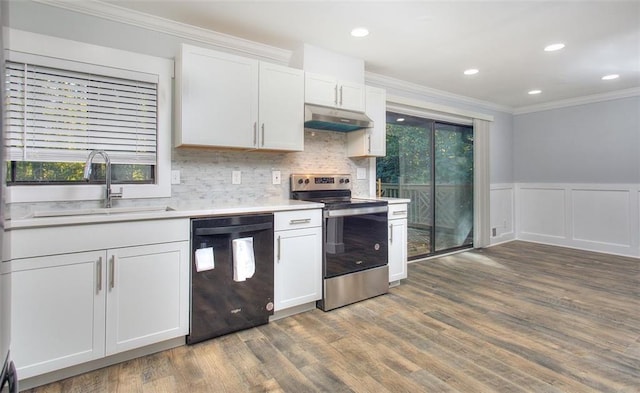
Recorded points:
(320, 182)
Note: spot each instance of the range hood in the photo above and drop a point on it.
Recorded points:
(332, 119)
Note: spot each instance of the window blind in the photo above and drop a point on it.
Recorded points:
(56, 115)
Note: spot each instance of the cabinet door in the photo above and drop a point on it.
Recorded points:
(218, 95)
(351, 96)
(397, 249)
(147, 295)
(57, 311)
(298, 267)
(281, 108)
(377, 110)
(371, 142)
(320, 90)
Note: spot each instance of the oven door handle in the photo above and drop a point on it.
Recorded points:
(355, 211)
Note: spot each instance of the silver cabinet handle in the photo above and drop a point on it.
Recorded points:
(262, 134)
(340, 95)
(112, 268)
(399, 212)
(369, 136)
(279, 245)
(300, 221)
(99, 274)
(335, 95)
(390, 233)
(255, 133)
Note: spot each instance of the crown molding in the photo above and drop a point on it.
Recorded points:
(150, 22)
(197, 34)
(633, 92)
(409, 87)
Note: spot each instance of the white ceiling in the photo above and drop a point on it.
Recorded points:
(431, 43)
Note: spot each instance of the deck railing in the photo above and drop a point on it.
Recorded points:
(452, 201)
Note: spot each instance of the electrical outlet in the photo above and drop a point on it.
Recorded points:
(275, 177)
(361, 173)
(494, 232)
(175, 177)
(236, 177)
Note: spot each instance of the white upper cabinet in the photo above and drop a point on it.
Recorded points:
(371, 142)
(281, 107)
(329, 91)
(351, 96)
(229, 101)
(216, 99)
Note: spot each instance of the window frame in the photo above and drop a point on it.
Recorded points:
(50, 51)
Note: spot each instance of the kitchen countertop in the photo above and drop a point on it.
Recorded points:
(185, 210)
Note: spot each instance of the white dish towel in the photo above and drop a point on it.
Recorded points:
(204, 259)
(244, 262)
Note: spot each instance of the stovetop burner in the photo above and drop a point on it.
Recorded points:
(340, 203)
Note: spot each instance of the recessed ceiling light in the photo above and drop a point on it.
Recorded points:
(400, 119)
(360, 32)
(471, 71)
(532, 92)
(553, 47)
(610, 77)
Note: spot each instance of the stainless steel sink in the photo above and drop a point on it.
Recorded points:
(101, 211)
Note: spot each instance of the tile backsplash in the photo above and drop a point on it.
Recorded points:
(205, 175)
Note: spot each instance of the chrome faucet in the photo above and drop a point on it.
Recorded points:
(87, 174)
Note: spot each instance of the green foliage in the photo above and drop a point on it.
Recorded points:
(31, 172)
(409, 152)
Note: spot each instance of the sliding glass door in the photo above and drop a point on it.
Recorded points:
(453, 186)
(431, 163)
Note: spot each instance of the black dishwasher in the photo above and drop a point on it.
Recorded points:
(231, 274)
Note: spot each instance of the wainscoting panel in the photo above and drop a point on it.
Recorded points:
(502, 212)
(601, 216)
(542, 212)
(595, 217)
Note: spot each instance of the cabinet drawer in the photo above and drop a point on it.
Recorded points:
(297, 219)
(33, 242)
(397, 211)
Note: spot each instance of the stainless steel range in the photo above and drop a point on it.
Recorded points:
(355, 239)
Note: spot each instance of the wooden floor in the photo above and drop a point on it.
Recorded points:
(519, 317)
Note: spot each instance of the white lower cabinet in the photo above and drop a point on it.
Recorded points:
(58, 312)
(71, 308)
(147, 295)
(398, 231)
(298, 258)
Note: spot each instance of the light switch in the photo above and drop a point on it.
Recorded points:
(175, 177)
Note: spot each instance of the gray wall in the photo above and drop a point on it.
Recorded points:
(591, 143)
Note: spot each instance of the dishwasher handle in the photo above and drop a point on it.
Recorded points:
(232, 229)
